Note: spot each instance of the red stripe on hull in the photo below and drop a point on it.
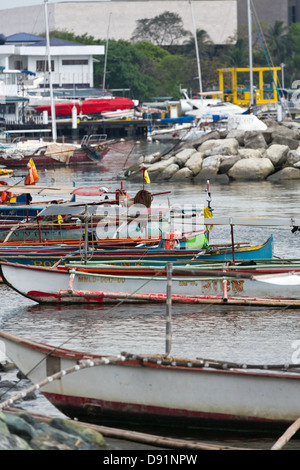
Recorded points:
(105, 413)
(46, 297)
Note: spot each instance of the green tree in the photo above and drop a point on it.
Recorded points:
(236, 55)
(292, 58)
(277, 40)
(205, 45)
(164, 29)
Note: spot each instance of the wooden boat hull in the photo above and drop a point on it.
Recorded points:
(79, 155)
(137, 391)
(76, 284)
(48, 255)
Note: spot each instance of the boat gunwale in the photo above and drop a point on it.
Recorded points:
(155, 361)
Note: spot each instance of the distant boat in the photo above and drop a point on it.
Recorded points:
(88, 107)
(119, 114)
(157, 391)
(53, 153)
(179, 129)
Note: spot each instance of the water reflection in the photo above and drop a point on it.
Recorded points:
(241, 334)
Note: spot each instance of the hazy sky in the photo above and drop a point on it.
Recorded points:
(4, 4)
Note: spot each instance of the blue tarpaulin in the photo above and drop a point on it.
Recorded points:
(178, 120)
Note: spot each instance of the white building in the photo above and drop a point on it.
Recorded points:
(72, 64)
(24, 75)
(12, 99)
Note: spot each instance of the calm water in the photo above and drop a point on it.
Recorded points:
(253, 335)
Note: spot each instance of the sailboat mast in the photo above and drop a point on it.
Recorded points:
(250, 52)
(53, 117)
(106, 51)
(197, 50)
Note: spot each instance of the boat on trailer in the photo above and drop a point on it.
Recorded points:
(137, 391)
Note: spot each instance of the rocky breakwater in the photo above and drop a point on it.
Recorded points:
(23, 432)
(223, 156)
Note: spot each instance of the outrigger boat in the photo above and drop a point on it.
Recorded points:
(90, 283)
(130, 252)
(136, 391)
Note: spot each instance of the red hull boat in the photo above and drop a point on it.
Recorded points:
(90, 106)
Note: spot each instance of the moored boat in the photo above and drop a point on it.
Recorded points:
(130, 252)
(92, 284)
(138, 391)
(92, 107)
(45, 153)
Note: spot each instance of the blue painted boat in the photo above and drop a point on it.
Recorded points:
(39, 255)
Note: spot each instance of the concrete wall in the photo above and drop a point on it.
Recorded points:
(268, 11)
(217, 17)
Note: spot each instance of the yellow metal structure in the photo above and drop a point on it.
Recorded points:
(240, 96)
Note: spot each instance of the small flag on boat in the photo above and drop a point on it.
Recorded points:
(207, 215)
(146, 176)
(34, 171)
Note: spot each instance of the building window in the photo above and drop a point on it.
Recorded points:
(75, 62)
(292, 14)
(18, 65)
(7, 109)
(42, 66)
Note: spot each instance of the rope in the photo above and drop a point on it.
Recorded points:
(160, 359)
(82, 365)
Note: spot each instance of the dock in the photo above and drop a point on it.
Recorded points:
(130, 128)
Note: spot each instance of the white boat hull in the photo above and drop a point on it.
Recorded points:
(68, 285)
(157, 389)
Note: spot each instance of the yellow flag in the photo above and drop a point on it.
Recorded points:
(146, 176)
(32, 163)
(207, 215)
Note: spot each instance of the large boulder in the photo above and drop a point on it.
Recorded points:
(160, 166)
(209, 144)
(277, 154)
(288, 173)
(293, 158)
(182, 157)
(184, 174)
(168, 172)
(237, 134)
(212, 162)
(213, 135)
(194, 163)
(250, 153)
(210, 168)
(284, 140)
(254, 140)
(251, 169)
(225, 147)
(227, 162)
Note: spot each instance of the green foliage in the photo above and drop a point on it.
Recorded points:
(148, 69)
(163, 29)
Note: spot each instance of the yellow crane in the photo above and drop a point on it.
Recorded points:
(240, 95)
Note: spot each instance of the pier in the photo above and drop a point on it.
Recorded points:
(112, 128)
